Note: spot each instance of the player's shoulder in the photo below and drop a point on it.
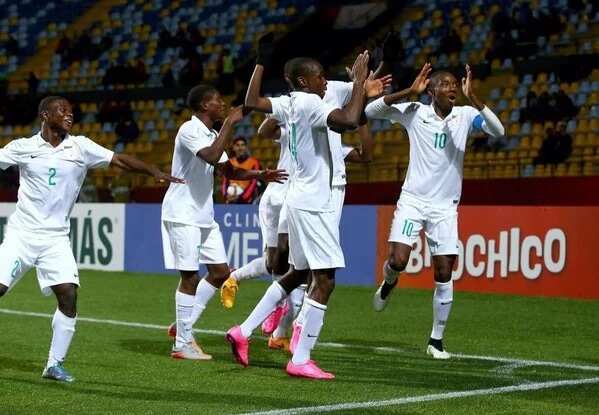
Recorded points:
(465, 109)
(335, 86)
(23, 143)
(409, 107)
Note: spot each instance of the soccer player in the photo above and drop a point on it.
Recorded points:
(310, 202)
(190, 235)
(431, 192)
(52, 167)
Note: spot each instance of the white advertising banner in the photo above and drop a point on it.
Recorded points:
(97, 234)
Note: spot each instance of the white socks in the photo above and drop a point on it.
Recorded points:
(184, 309)
(313, 321)
(302, 313)
(389, 274)
(63, 328)
(442, 300)
(295, 301)
(252, 269)
(265, 306)
(204, 293)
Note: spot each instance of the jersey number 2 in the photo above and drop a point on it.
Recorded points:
(440, 140)
(52, 176)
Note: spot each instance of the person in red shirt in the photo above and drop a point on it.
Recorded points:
(241, 191)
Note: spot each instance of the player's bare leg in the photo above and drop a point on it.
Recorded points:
(442, 300)
(306, 335)
(253, 269)
(63, 328)
(399, 254)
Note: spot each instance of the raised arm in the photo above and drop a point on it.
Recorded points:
(135, 165)
(491, 124)
(213, 152)
(253, 100)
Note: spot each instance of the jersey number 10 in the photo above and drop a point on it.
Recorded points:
(440, 140)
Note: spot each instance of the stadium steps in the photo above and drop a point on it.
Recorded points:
(97, 12)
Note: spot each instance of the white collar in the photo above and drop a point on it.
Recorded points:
(41, 142)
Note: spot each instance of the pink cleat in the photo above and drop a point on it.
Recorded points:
(308, 370)
(295, 335)
(272, 321)
(239, 345)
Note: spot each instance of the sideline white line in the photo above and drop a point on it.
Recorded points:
(428, 398)
(525, 362)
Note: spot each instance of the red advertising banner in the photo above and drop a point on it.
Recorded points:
(546, 251)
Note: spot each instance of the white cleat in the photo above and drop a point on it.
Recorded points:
(189, 352)
(436, 353)
(378, 302)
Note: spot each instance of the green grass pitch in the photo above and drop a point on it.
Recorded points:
(378, 357)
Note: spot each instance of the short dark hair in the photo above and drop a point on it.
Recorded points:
(45, 103)
(296, 67)
(240, 139)
(198, 94)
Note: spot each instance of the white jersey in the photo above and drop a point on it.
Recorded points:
(305, 115)
(338, 95)
(191, 203)
(437, 148)
(277, 191)
(50, 179)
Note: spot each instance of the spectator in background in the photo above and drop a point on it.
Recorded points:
(241, 191)
(226, 68)
(127, 131)
(451, 43)
(168, 79)
(33, 83)
(557, 147)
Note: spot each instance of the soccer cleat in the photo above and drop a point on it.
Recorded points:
(228, 291)
(278, 343)
(272, 321)
(172, 332)
(240, 346)
(381, 296)
(435, 349)
(295, 335)
(57, 372)
(308, 370)
(189, 351)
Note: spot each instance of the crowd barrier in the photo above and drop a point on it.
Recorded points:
(547, 251)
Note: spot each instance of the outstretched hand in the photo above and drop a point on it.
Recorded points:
(422, 80)
(375, 87)
(467, 83)
(360, 67)
(162, 177)
(278, 176)
(236, 114)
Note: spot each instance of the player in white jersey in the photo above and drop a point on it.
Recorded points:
(312, 219)
(190, 235)
(274, 260)
(52, 167)
(431, 192)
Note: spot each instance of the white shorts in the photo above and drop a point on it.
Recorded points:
(269, 214)
(283, 223)
(440, 225)
(314, 240)
(338, 195)
(51, 256)
(185, 247)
